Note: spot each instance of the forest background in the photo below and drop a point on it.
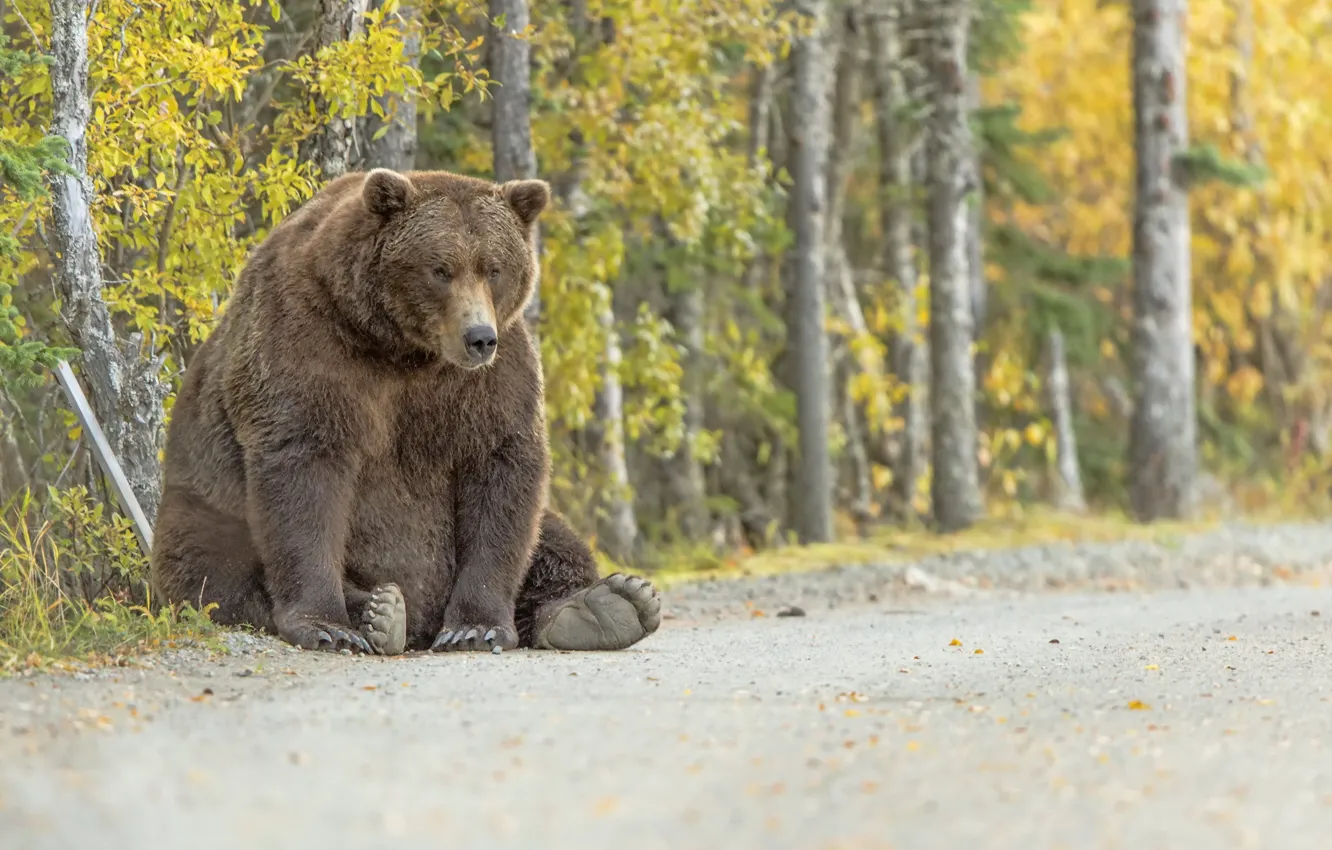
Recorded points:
(824, 272)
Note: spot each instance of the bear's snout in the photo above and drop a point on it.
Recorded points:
(481, 342)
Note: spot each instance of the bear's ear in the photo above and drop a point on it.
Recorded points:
(386, 192)
(527, 198)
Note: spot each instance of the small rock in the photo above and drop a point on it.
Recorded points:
(917, 579)
(792, 611)
(497, 650)
(246, 673)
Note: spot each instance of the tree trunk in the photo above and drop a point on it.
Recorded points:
(760, 109)
(621, 526)
(956, 493)
(1068, 494)
(123, 386)
(976, 264)
(737, 474)
(685, 482)
(510, 62)
(976, 222)
(396, 148)
(1163, 457)
(839, 276)
(806, 338)
(332, 147)
(896, 186)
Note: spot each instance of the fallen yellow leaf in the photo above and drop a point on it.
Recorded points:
(955, 642)
(1138, 705)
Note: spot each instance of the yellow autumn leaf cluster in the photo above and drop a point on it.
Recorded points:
(1257, 92)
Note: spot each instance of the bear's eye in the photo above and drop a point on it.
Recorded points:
(443, 273)
(493, 274)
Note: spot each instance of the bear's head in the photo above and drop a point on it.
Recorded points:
(455, 258)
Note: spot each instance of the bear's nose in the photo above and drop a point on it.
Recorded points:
(481, 341)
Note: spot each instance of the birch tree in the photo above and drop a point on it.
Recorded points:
(510, 61)
(685, 481)
(1162, 439)
(332, 147)
(1067, 484)
(391, 142)
(840, 286)
(976, 223)
(123, 385)
(806, 339)
(895, 192)
(956, 493)
(621, 525)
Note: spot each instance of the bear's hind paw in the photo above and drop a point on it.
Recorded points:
(384, 623)
(616, 612)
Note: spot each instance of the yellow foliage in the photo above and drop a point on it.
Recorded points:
(1253, 249)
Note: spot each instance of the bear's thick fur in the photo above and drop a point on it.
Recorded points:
(358, 458)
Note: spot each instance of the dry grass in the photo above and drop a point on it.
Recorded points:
(73, 588)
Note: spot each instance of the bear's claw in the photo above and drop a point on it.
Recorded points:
(326, 637)
(384, 623)
(474, 639)
(616, 612)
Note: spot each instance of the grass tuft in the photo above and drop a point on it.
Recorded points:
(73, 588)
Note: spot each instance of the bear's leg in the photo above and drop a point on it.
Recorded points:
(203, 557)
(565, 604)
(382, 613)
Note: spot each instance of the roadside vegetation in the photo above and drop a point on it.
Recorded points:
(824, 282)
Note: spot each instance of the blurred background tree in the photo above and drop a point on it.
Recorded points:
(756, 206)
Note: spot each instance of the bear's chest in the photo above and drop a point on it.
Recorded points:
(405, 498)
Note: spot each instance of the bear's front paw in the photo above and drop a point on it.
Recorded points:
(325, 635)
(476, 638)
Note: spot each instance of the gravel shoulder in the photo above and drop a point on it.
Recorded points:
(1233, 555)
(954, 708)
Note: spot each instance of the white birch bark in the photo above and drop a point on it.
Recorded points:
(1068, 493)
(332, 147)
(124, 387)
(806, 336)
(956, 495)
(1163, 460)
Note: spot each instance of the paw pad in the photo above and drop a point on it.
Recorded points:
(384, 623)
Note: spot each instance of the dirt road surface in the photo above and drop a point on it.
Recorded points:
(943, 717)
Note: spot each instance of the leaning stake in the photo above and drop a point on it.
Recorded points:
(106, 458)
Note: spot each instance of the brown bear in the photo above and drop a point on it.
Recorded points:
(357, 458)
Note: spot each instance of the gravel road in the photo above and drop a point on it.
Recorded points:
(971, 702)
